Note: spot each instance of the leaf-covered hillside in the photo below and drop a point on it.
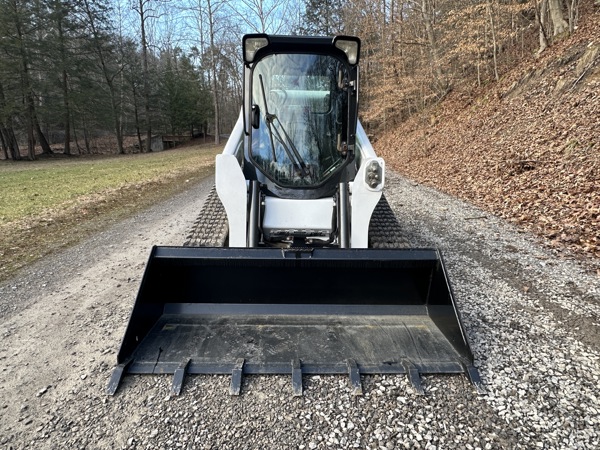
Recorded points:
(526, 148)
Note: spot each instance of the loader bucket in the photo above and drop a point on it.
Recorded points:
(301, 311)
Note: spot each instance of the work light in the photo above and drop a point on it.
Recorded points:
(350, 46)
(252, 44)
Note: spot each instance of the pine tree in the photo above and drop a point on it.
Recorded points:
(323, 17)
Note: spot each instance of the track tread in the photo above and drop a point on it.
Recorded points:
(210, 228)
(384, 229)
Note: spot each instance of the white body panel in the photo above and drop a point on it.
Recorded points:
(366, 149)
(363, 200)
(309, 217)
(233, 192)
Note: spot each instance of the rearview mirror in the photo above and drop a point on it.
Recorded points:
(255, 117)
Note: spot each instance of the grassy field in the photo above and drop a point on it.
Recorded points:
(52, 203)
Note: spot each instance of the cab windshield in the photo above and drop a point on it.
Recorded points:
(301, 101)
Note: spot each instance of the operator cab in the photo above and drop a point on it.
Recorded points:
(300, 113)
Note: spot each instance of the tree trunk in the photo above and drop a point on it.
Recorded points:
(541, 15)
(11, 142)
(213, 69)
(10, 145)
(66, 114)
(427, 15)
(86, 138)
(136, 116)
(146, 80)
(30, 136)
(3, 141)
(26, 92)
(558, 21)
(65, 84)
(573, 10)
(74, 128)
(494, 42)
(117, 123)
(46, 150)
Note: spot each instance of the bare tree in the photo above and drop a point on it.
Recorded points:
(147, 10)
(212, 20)
(551, 20)
(558, 20)
(211, 10)
(265, 16)
(490, 13)
(573, 13)
(541, 17)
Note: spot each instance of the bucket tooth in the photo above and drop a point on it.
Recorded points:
(414, 377)
(296, 378)
(236, 377)
(354, 374)
(179, 377)
(117, 375)
(474, 378)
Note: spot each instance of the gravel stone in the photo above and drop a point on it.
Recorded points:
(532, 318)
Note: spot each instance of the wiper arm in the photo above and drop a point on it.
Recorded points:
(268, 117)
(291, 151)
(301, 162)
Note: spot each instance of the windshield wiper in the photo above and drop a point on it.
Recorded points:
(291, 150)
(267, 117)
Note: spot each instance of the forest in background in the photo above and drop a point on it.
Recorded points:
(83, 76)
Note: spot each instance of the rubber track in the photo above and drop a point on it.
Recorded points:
(211, 228)
(384, 229)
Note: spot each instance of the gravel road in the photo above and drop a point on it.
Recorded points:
(533, 321)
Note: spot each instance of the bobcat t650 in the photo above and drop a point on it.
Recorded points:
(287, 270)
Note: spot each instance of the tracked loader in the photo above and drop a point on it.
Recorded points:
(287, 270)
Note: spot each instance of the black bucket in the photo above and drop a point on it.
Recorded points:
(299, 311)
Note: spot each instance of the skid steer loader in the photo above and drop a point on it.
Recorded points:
(286, 274)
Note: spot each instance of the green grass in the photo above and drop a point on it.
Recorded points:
(34, 188)
(50, 204)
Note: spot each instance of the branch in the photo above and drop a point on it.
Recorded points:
(585, 71)
(422, 44)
